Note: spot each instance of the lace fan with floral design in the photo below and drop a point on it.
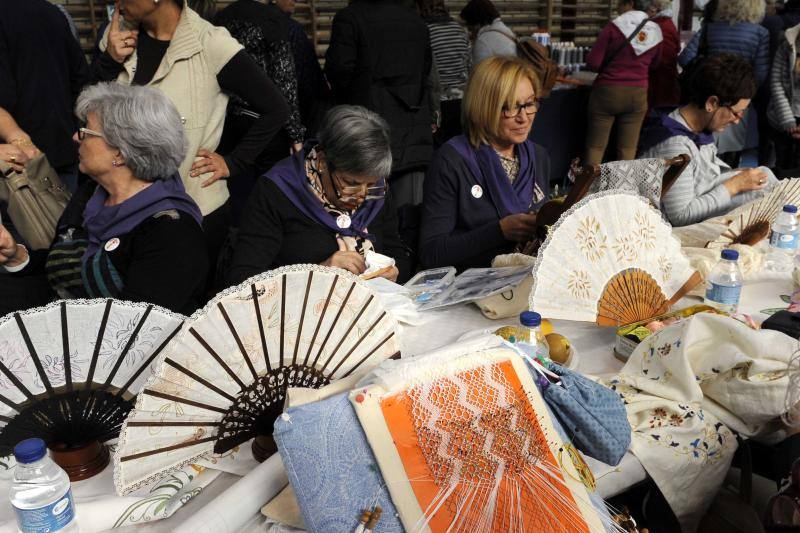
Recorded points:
(69, 373)
(611, 259)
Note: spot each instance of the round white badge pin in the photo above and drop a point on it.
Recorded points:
(112, 244)
(343, 221)
(477, 191)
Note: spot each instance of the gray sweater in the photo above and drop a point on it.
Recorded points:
(699, 192)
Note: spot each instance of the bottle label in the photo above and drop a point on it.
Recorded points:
(47, 519)
(784, 241)
(724, 294)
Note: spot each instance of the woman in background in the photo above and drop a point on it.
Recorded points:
(490, 36)
(663, 89)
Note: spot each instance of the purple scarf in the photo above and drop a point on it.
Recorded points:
(659, 126)
(106, 222)
(290, 177)
(508, 198)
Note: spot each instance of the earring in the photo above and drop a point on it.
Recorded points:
(115, 163)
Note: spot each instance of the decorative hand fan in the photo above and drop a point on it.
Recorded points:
(69, 373)
(610, 259)
(224, 379)
(751, 223)
(467, 444)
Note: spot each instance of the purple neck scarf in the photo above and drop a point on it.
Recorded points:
(508, 198)
(659, 126)
(290, 177)
(104, 222)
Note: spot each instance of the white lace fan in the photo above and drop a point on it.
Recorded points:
(611, 259)
(69, 373)
(224, 379)
(750, 223)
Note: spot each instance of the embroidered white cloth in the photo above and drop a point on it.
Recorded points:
(648, 37)
(686, 388)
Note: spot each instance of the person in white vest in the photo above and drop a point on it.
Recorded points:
(164, 44)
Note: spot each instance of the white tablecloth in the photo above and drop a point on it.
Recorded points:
(593, 346)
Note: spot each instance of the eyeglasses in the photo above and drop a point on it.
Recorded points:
(738, 114)
(349, 193)
(83, 132)
(531, 108)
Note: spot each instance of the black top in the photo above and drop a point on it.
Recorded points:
(380, 58)
(163, 261)
(42, 71)
(241, 76)
(263, 30)
(274, 233)
(458, 229)
(150, 51)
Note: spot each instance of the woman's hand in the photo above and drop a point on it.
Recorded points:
(11, 254)
(391, 274)
(210, 162)
(751, 179)
(518, 228)
(121, 44)
(350, 261)
(13, 156)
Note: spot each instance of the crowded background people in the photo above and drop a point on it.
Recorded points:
(483, 186)
(491, 37)
(131, 232)
(327, 204)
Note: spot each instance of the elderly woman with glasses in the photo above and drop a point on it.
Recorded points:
(716, 99)
(132, 232)
(327, 204)
(483, 188)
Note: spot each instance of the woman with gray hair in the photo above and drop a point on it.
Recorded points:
(327, 204)
(132, 232)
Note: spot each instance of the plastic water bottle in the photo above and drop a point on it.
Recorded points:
(531, 335)
(41, 493)
(725, 283)
(783, 241)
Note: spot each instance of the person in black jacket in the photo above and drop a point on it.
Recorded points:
(327, 204)
(42, 71)
(483, 188)
(380, 58)
(131, 233)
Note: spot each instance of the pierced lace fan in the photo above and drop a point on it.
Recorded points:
(69, 373)
(224, 379)
(649, 178)
(751, 223)
(611, 259)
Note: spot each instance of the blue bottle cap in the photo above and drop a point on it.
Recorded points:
(530, 319)
(790, 209)
(30, 450)
(731, 255)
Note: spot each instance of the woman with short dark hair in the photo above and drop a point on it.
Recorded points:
(327, 204)
(491, 36)
(717, 92)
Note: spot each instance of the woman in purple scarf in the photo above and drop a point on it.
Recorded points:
(483, 188)
(716, 93)
(132, 232)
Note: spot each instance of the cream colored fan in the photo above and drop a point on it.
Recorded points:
(223, 380)
(751, 223)
(611, 259)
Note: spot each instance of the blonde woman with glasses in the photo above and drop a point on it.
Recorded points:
(483, 188)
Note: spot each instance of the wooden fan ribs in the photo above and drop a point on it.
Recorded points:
(100, 333)
(127, 348)
(65, 343)
(261, 331)
(629, 296)
(302, 317)
(333, 324)
(32, 352)
(238, 340)
(319, 322)
(217, 358)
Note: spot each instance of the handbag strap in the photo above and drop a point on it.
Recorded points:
(610, 57)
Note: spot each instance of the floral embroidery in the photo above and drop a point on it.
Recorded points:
(591, 240)
(665, 268)
(579, 284)
(626, 249)
(644, 236)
